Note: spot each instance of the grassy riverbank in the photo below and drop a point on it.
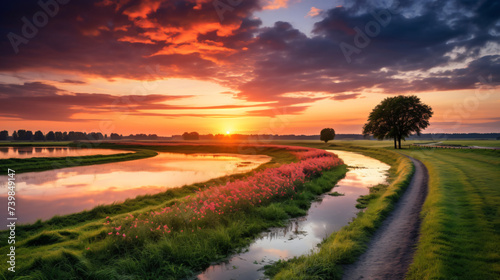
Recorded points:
(347, 244)
(460, 232)
(76, 246)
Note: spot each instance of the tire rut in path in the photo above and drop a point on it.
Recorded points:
(390, 251)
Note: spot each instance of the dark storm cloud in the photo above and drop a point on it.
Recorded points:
(188, 39)
(410, 37)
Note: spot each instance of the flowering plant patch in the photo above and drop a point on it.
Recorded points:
(200, 210)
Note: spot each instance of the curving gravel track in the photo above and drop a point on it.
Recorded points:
(390, 252)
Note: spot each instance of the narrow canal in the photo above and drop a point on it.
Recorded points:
(302, 235)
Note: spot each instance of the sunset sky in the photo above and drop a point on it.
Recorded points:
(245, 66)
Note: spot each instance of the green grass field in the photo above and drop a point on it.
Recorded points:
(460, 233)
(481, 143)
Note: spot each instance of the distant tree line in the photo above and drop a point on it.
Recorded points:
(28, 135)
(191, 136)
(142, 136)
(197, 136)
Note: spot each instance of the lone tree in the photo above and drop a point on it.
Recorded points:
(398, 117)
(327, 134)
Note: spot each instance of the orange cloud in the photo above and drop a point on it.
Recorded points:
(135, 40)
(184, 40)
(275, 4)
(314, 12)
(143, 9)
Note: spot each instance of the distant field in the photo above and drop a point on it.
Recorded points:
(482, 143)
(389, 144)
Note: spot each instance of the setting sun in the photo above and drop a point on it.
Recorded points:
(228, 132)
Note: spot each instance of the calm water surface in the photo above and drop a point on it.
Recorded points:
(30, 152)
(303, 234)
(41, 195)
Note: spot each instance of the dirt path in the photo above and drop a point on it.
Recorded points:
(390, 252)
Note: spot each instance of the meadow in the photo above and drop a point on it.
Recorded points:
(175, 234)
(480, 143)
(460, 233)
(193, 226)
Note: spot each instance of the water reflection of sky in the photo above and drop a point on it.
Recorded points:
(303, 234)
(29, 152)
(41, 195)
